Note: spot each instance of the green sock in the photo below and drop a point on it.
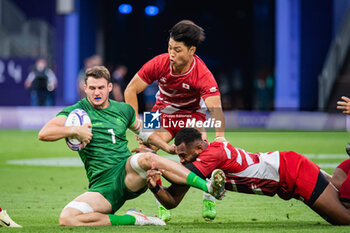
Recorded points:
(197, 182)
(122, 219)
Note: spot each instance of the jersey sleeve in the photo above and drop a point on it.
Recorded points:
(148, 72)
(130, 115)
(209, 87)
(207, 162)
(65, 112)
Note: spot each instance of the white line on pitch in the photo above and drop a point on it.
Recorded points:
(76, 162)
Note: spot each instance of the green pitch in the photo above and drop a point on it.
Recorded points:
(35, 195)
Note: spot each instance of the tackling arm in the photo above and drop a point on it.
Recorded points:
(168, 197)
(213, 103)
(151, 137)
(136, 86)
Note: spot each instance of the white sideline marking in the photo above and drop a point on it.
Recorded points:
(328, 165)
(76, 162)
(63, 162)
(52, 162)
(327, 156)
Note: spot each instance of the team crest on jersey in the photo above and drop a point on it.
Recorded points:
(151, 120)
(118, 121)
(213, 89)
(186, 86)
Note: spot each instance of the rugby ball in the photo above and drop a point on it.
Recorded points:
(77, 117)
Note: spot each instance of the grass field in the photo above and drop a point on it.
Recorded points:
(35, 195)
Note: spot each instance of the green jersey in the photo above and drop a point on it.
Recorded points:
(108, 146)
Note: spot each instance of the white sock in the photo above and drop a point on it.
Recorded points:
(158, 203)
(207, 196)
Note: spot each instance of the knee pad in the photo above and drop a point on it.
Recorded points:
(81, 206)
(135, 165)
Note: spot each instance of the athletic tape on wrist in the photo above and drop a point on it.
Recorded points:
(141, 133)
(155, 189)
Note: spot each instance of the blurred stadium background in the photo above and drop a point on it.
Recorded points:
(279, 64)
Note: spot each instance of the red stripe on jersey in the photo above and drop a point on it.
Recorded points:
(246, 172)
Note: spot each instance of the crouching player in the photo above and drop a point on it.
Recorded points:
(115, 175)
(287, 174)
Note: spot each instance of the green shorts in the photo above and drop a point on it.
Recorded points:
(111, 184)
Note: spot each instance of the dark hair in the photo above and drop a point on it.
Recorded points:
(188, 136)
(98, 72)
(187, 32)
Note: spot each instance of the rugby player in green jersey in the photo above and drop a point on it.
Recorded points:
(114, 174)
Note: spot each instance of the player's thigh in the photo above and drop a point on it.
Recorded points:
(338, 177)
(330, 208)
(88, 202)
(135, 176)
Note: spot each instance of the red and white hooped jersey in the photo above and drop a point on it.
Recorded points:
(287, 174)
(179, 93)
(255, 173)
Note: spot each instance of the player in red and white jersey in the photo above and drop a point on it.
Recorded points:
(287, 174)
(179, 93)
(186, 86)
(186, 89)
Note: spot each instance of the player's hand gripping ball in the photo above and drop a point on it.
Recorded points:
(77, 117)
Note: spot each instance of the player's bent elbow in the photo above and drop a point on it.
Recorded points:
(41, 136)
(129, 91)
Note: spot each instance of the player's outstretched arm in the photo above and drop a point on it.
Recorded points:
(135, 86)
(151, 137)
(55, 130)
(213, 104)
(168, 197)
(344, 105)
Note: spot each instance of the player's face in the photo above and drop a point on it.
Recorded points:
(97, 91)
(180, 55)
(188, 153)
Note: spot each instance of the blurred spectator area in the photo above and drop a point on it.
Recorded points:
(265, 54)
(22, 37)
